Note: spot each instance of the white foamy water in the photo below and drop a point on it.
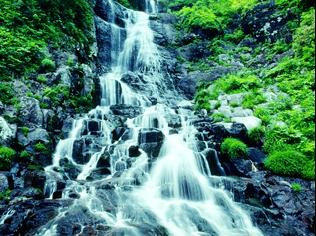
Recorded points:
(173, 191)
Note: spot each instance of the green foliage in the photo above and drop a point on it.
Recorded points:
(5, 195)
(233, 148)
(6, 156)
(288, 163)
(40, 147)
(25, 131)
(57, 94)
(42, 79)
(219, 117)
(235, 37)
(28, 26)
(125, 3)
(48, 65)
(25, 154)
(6, 93)
(212, 15)
(252, 99)
(234, 84)
(296, 187)
(256, 135)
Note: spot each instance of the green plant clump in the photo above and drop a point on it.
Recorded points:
(27, 27)
(233, 148)
(40, 147)
(288, 163)
(296, 187)
(6, 157)
(5, 195)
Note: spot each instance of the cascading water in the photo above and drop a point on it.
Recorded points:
(172, 190)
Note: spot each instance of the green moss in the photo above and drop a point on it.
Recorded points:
(296, 187)
(25, 131)
(5, 195)
(287, 163)
(42, 79)
(25, 154)
(41, 147)
(6, 93)
(251, 100)
(218, 117)
(256, 135)
(27, 27)
(233, 148)
(6, 157)
(48, 65)
(210, 15)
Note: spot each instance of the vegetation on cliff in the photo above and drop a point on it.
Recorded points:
(288, 128)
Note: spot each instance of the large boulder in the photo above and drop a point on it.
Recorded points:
(150, 140)
(4, 183)
(126, 111)
(7, 132)
(213, 162)
(30, 112)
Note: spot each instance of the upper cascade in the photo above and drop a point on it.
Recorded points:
(149, 163)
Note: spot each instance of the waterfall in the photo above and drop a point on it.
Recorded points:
(170, 191)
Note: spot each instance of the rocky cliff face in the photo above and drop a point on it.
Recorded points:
(39, 123)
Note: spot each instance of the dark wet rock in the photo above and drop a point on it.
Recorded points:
(151, 140)
(239, 131)
(195, 51)
(214, 163)
(70, 169)
(67, 126)
(34, 136)
(35, 179)
(121, 133)
(4, 182)
(78, 152)
(126, 110)
(105, 160)
(28, 192)
(30, 112)
(256, 156)
(133, 151)
(29, 215)
(238, 167)
(265, 22)
(174, 121)
(134, 80)
(93, 126)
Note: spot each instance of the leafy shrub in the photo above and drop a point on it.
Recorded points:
(42, 79)
(252, 99)
(309, 170)
(296, 187)
(256, 135)
(6, 93)
(233, 148)
(40, 147)
(235, 37)
(25, 131)
(288, 163)
(25, 154)
(211, 14)
(218, 117)
(57, 94)
(48, 65)
(5, 195)
(6, 156)
(234, 84)
(28, 26)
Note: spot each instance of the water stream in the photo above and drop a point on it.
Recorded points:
(168, 193)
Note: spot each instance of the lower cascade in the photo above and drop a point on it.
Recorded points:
(147, 177)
